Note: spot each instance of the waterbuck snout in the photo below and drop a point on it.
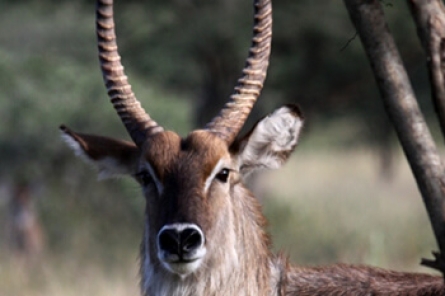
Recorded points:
(181, 247)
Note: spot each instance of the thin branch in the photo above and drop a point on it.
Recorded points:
(403, 110)
(349, 41)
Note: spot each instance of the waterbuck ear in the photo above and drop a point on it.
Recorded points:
(112, 157)
(269, 144)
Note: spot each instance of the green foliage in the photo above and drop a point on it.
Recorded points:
(44, 86)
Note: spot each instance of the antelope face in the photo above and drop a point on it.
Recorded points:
(185, 182)
(189, 183)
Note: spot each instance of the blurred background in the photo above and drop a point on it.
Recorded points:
(347, 194)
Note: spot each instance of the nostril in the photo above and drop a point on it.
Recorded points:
(180, 243)
(191, 239)
(169, 241)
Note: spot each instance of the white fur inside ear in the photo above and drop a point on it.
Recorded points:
(107, 166)
(75, 146)
(272, 140)
(110, 168)
(281, 128)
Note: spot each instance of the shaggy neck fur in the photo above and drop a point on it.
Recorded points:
(238, 261)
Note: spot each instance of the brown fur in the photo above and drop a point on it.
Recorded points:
(231, 220)
(191, 160)
(238, 259)
(343, 279)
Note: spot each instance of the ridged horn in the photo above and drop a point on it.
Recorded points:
(138, 123)
(234, 114)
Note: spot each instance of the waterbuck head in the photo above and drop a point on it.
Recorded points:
(199, 216)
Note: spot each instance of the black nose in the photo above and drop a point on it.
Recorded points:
(180, 240)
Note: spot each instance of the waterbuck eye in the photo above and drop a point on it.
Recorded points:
(144, 178)
(223, 175)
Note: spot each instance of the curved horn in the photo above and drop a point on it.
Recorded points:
(138, 123)
(232, 117)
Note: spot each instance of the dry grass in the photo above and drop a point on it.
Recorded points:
(337, 207)
(67, 277)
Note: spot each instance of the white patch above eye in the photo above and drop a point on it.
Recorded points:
(159, 186)
(218, 167)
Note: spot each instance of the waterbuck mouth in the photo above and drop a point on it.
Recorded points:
(183, 266)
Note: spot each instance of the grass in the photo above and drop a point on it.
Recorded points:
(67, 276)
(326, 207)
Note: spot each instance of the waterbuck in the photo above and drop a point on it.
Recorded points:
(204, 231)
